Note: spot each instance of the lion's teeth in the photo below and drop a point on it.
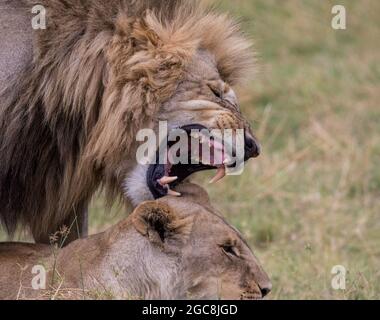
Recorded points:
(227, 161)
(195, 160)
(166, 180)
(206, 161)
(195, 135)
(203, 139)
(218, 145)
(220, 174)
(173, 193)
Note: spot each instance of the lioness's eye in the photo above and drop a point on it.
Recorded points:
(231, 250)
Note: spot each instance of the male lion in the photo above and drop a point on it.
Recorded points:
(171, 248)
(81, 89)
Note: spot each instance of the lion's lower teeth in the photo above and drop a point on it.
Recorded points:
(220, 174)
(227, 161)
(166, 180)
(173, 193)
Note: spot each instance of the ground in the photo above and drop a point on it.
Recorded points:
(312, 199)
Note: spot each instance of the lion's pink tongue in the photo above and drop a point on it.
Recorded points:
(218, 156)
(220, 174)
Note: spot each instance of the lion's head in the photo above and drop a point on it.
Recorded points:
(179, 68)
(102, 71)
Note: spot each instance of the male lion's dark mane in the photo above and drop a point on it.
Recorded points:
(69, 119)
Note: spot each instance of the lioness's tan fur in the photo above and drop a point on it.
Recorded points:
(167, 249)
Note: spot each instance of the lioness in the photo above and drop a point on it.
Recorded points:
(172, 248)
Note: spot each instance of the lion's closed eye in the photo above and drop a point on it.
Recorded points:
(216, 90)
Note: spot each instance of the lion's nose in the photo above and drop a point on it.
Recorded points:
(252, 148)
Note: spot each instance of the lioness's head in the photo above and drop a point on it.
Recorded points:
(193, 252)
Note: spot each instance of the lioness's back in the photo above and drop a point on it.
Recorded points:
(16, 263)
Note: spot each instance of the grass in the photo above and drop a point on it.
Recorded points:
(312, 200)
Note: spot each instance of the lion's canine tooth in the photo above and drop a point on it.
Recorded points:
(173, 193)
(227, 161)
(195, 160)
(203, 139)
(206, 161)
(195, 135)
(220, 174)
(166, 180)
(218, 145)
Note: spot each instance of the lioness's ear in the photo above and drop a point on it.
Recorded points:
(160, 223)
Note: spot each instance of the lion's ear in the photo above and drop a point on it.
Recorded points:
(150, 33)
(137, 33)
(161, 224)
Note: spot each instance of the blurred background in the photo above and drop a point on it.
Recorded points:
(312, 199)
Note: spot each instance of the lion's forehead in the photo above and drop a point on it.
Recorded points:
(203, 65)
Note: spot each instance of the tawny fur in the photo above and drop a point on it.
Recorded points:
(100, 72)
(171, 248)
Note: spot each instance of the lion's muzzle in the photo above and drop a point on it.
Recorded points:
(252, 147)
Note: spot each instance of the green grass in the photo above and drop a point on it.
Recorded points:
(312, 200)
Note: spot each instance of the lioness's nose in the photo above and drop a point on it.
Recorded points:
(266, 289)
(252, 147)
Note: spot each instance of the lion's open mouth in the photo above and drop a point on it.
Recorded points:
(162, 178)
